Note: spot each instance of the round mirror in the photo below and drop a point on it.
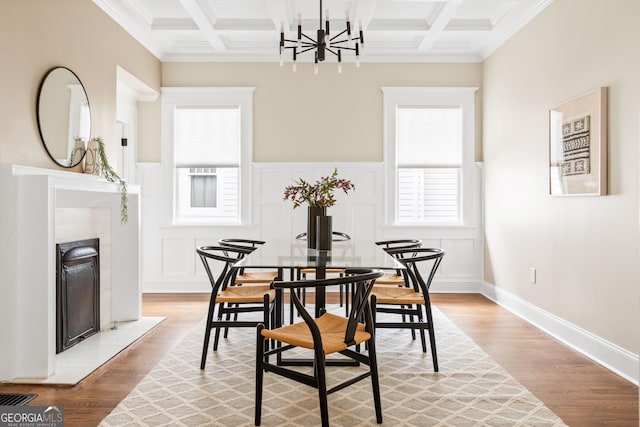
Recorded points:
(64, 116)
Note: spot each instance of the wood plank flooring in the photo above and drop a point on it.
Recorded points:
(581, 392)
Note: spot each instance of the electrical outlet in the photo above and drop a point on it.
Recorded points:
(532, 275)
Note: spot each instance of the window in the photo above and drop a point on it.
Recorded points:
(208, 136)
(429, 141)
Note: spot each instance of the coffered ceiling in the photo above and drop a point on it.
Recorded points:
(394, 30)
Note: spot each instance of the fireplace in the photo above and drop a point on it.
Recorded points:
(77, 292)
(50, 207)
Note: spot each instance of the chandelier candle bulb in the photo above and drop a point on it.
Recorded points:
(326, 35)
(294, 59)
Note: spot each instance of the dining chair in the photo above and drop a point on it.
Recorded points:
(229, 297)
(412, 302)
(325, 335)
(337, 236)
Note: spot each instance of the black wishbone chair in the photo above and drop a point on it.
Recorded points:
(413, 300)
(398, 277)
(231, 299)
(324, 335)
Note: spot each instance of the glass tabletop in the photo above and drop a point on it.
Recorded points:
(281, 253)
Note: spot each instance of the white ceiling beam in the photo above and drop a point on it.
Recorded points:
(277, 10)
(196, 10)
(447, 12)
(361, 13)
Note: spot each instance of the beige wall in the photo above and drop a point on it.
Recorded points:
(326, 117)
(36, 35)
(585, 249)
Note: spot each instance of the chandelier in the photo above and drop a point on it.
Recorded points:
(324, 42)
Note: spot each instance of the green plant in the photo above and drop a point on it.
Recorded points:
(110, 175)
(319, 194)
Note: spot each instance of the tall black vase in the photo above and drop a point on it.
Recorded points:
(313, 213)
(324, 233)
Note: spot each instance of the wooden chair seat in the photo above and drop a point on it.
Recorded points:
(256, 277)
(243, 294)
(390, 278)
(332, 328)
(397, 295)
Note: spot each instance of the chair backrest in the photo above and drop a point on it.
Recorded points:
(399, 244)
(226, 257)
(241, 243)
(412, 258)
(250, 244)
(363, 281)
(337, 236)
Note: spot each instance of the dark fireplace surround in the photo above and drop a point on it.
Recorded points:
(77, 292)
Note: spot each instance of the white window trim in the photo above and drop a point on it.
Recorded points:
(173, 97)
(436, 97)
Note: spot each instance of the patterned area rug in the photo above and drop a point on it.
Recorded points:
(471, 389)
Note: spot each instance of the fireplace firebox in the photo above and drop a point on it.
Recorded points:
(77, 292)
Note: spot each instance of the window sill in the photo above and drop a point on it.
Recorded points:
(201, 224)
(433, 226)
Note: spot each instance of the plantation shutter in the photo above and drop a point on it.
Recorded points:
(429, 162)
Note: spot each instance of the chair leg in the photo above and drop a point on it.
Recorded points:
(432, 336)
(226, 329)
(422, 327)
(322, 387)
(216, 338)
(259, 373)
(413, 331)
(375, 383)
(207, 332)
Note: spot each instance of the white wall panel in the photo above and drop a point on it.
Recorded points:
(177, 257)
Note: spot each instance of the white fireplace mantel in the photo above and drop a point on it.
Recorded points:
(30, 197)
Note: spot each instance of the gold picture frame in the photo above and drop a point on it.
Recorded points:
(578, 132)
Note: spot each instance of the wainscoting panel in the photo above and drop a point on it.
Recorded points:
(462, 264)
(177, 256)
(170, 263)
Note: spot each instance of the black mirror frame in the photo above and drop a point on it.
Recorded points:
(44, 142)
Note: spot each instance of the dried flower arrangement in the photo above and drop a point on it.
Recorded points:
(319, 194)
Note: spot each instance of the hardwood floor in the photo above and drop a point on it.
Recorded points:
(581, 392)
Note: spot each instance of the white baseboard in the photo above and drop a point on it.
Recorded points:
(609, 355)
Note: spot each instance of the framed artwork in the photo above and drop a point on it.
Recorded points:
(578, 146)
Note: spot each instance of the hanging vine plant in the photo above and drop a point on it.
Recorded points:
(110, 175)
